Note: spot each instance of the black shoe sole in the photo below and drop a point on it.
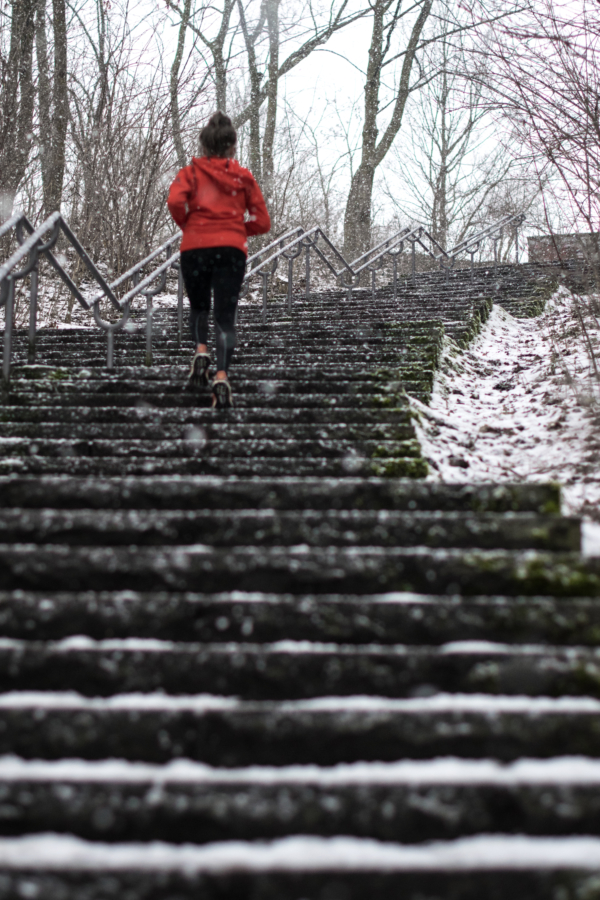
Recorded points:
(222, 395)
(199, 376)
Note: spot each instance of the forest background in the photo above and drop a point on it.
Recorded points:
(358, 115)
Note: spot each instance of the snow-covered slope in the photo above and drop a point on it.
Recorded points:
(523, 403)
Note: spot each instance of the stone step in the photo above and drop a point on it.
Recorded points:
(247, 357)
(235, 418)
(319, 528)
(328, 329)
(501, 867)
(359, 333)
(351, 619)
(229, 732)
(171, 374)
(364, 362)
(306, 327)
(295, 347)
(289, 669)
(200, 492)
(305, 332)
(186, 802)
(199, 446)
(321, 385)
(211, 429)
(297, 569)
(110, 466)
(409, 364)
(180, 399)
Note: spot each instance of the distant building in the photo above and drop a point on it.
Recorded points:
(563, 247)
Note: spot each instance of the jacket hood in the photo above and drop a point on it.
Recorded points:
(227, 174)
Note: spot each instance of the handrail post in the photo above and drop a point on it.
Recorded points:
(517, 245)
(307, 271)
(33, 300)
(110, 350)
(110, 328)
(8, 327)
(179, 306)
(149, 312)
(414, 263)
(265, 287)
(373, 276)
(473, 252)
(395, 258)
(290, 284)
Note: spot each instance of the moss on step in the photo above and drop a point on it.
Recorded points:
(532, 302)
(561, 579)
(400, 468)
(36, 373)
(403, 459)
(540, 574)
(395, 449)
(393, 401)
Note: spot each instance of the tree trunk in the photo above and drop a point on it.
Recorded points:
(44, 85)
(255, 97)
(357, 218)
(16, 104)
(440, 205)
(268, 163)
(53, 104)
(174, 86)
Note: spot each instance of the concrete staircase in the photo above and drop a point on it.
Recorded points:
(252, 655)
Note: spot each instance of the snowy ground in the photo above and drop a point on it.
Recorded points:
(522, 403)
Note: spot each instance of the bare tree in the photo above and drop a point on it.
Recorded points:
(400, 37)
(449, 165)
(387, 15)
(53, 102)
(546, 84)
(16, 98)
(174, 84)
(121, 153)
(251, 36)
(306, 189)
(263, 34)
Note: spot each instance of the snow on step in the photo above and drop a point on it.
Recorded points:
(52, 852)
(486, 704)
(568, 770)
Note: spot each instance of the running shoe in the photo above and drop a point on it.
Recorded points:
(221, 394)
(199, 371)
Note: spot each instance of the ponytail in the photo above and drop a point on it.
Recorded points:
(218, 136)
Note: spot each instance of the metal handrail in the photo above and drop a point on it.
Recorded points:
(253, 269)
(372, 260)
(263, 263)
(32, 247)
(464, 245)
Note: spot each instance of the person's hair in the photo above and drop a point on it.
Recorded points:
(218, 136)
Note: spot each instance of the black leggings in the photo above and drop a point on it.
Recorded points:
(220, 269)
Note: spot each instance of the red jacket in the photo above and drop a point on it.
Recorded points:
(208, 200)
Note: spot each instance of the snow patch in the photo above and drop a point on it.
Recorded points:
(522, 404)
(485, 704)
(590, 538)
(307, 854)
(571, 770)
